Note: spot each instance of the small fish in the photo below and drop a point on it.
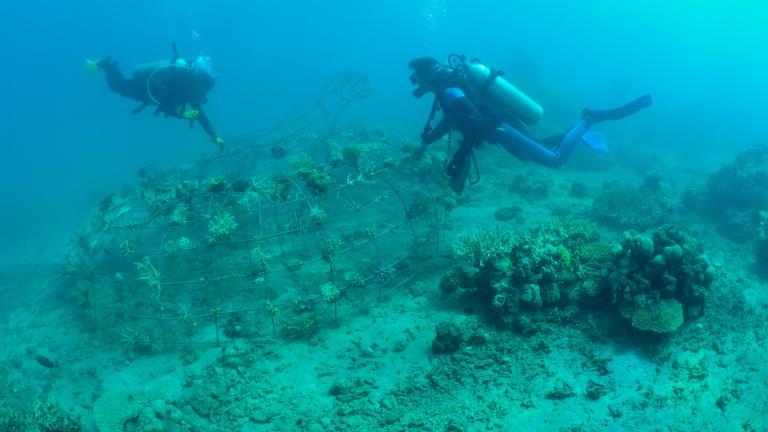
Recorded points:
(45, 361)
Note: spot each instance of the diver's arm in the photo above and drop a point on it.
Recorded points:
(169, 112)
(204, 122)
(438, 132)
(469, 120)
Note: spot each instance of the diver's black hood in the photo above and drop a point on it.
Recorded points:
(422, 65)
(429, 75)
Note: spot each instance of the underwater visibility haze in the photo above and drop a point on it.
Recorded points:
(256, 232)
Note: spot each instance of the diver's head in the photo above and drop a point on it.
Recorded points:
(428, 75)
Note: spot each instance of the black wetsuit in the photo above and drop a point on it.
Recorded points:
(170, 86)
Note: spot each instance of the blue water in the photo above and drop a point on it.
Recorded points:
(67, 140)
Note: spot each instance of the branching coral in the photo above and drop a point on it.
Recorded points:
(626, 206)
(179, 214)
(149, 274)
(221, 226)
(318, 182)
(45, 416)
(478, 247)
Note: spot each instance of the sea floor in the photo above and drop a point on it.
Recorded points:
(375, 370)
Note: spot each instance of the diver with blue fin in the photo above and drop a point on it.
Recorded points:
(168, 85)
(478, 102)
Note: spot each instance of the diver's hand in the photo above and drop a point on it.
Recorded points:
(192, 114)
(425, 137)
(219, 142)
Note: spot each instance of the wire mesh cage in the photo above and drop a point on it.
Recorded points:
(259, 240)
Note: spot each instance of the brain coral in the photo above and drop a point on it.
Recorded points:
(663, 316)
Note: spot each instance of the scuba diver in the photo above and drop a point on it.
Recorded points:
(483, 106)
(168, 85)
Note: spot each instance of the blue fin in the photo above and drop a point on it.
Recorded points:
(595, 141)
(620, 112)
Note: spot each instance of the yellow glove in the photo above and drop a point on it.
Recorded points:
(91, 66)
(192, 114)
(219, 142)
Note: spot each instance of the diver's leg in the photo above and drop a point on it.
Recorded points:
(115, 79)
(597, 115)
(118, 83)
(526, 149)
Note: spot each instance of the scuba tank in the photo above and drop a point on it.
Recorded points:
(492, 86)
(171, 82)
(166, 81)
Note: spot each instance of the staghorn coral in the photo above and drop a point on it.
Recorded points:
(330, 292)
(221, 226)
(179, 214)
(149, 274)
(478, 247)
(50, 417)
(44, 416)
(13, 418)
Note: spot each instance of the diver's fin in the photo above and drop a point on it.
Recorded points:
(175, 52)
(618, 113)
(140, 108)
(595, 141)
(458, 182)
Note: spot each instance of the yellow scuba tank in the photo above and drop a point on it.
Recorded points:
(500, 91)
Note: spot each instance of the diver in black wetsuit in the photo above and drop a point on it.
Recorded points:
(168, 85)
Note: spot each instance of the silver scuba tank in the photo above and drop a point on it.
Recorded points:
(502, 92)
